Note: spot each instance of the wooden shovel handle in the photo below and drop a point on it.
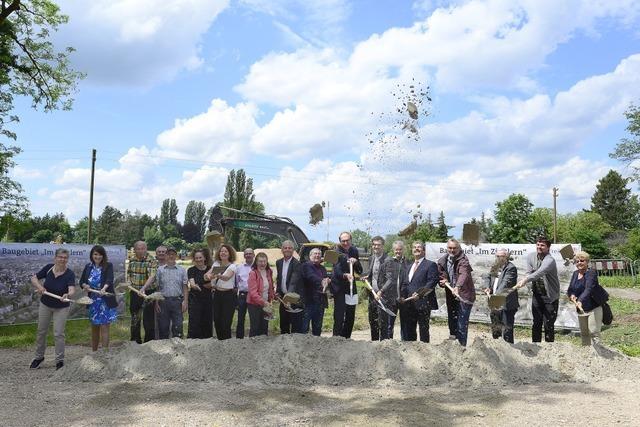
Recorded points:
(58, 297)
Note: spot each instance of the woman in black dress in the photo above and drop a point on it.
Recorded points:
(200, 304)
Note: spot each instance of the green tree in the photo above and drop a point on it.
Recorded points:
(169, 213)
(486, 227)
(80, 231)
(631, 248)
(541, 223)
(587, 228)
(615, 203)
(512, 220)
(195, 221)
(29, 64)
(108, 227)
(153, 236)
(628, 149)
(442, 229)
(175, 242)
(238, 194)
(361, 239)
(12, 202)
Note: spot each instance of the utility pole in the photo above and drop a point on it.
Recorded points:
(555, 214)
(93, 172)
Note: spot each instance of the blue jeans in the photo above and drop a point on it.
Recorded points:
(313, 313)
(170, 313)
(464, 312)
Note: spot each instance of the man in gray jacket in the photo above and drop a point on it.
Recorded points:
(542, 279)
(502, 279)
(376, 278)
(394, 276)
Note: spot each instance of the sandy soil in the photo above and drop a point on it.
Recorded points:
(327, 381)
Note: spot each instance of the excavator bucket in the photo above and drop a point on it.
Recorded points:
(214, 240)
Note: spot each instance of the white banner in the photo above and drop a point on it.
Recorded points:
(482, 258)
(20, 261)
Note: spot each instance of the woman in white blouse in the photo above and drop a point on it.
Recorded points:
(224, 302)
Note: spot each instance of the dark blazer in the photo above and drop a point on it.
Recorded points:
(394, 274)
(340, 285)
(107, 278)
(312, 283)
(381, 277)
(507, 279)
(593, 295)
(293, 279)
(425, 276)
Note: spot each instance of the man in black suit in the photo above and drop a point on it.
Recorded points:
(503, 277)
(288, 279)
(376, 278)
(394, 277)
(421, 274)
(344, 314)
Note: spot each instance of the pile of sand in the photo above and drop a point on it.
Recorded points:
(303, 360)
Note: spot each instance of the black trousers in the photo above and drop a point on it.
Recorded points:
(144, 314)
(200, 317)
(453, 308)
(290, 323)
(258, 325)
(544, 314)
(374, 319)
(343, 317)
(224, 305)
(386, 321)
(242, 314)
(415, 317)
(502, 324)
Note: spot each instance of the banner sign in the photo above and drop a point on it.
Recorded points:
(19, 261)
(482, 258)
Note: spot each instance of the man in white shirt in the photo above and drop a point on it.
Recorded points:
(242, 275)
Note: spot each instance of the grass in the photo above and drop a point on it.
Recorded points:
(618, 282)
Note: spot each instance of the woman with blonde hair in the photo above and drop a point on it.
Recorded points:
(585, 291)
(261, 293)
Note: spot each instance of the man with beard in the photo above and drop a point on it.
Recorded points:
(455, 269)
(502, 278)
(421, 276)
(542, 278)
(376, 278)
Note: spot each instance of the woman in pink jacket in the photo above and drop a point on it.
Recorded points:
(260, 294)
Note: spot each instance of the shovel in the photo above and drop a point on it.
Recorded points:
(421, 293)
(288, 308)
(583, 322)
(81, 300)
(498, 301)
(385, 309)
(99, 292)
(351, 299)
(458, 297)
(121, 287)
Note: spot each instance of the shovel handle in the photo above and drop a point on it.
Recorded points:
(458, 297)
(58, 297)
(579, 308)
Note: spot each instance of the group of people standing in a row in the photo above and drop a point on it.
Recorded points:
(213, 289)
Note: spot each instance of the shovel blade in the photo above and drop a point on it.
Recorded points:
(497, 302)
(585, 334)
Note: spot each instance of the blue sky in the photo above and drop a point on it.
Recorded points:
(527, 95)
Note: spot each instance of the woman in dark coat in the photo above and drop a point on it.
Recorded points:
(587, 293)
(200, 303)
(98, 275)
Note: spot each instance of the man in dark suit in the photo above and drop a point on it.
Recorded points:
(421, 274)
(344, 314)
(394, 276)
(288, 279)
(375, 276)
(503, 277)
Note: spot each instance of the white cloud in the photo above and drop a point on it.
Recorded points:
(221, 134)
(135, 42)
